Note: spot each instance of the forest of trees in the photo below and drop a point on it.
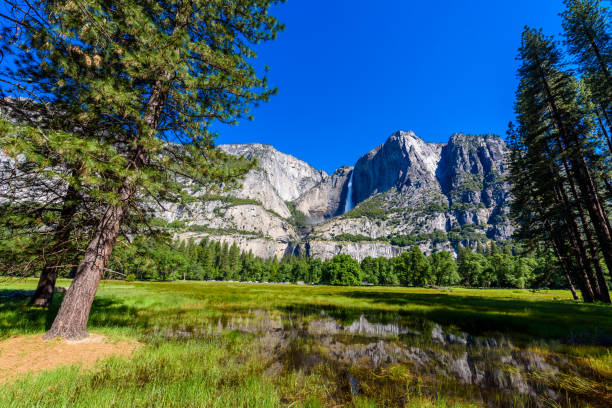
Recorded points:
(561, 147)
(489, 266)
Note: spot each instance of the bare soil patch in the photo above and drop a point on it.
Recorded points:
(23, 354)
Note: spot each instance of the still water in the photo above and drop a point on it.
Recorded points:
(393, 354)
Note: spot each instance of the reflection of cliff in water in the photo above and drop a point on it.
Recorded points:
(438, 360)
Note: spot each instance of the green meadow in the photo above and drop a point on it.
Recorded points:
(186, 361)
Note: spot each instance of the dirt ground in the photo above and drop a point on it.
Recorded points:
(22, 354)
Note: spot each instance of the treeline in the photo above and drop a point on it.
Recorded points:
(488, 266)
(561, 147)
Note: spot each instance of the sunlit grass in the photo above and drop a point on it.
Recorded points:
(232, 370)
(130, 308)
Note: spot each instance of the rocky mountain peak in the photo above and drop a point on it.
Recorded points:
(290, 177)
(406, 191)
(404, 161)
(475, 155)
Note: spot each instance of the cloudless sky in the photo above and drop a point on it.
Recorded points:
(352, 72)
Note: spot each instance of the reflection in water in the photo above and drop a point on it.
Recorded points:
(489, 370)
(360, 327)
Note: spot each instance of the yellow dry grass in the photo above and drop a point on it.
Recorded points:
(31, 354)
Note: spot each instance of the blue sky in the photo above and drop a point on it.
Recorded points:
(351, 72)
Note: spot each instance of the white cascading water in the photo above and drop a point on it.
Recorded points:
(348, 204)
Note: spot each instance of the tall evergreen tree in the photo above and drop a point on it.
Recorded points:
(586, 25)
(45, 185)
(158, 72)
(551, 177)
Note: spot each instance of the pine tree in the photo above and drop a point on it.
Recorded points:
(47, 181)
(551, 177)
(158, 73)
(234, 264)
(586, 25)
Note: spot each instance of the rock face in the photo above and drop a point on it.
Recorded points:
(410, 192)
(289, 176)
(407, 192)
(326, 199)
(404, 162)
(472, 176)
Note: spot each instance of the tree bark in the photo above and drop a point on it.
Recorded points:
(581, 174)
(71, 320)
(601, 289)
(46, 283)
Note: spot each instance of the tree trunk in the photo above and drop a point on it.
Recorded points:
(580, 273)
(600, 59)
(603, 129)
(582, 176)
(604, 112)
(71, 320)
(565, 266)
(565, 253)
(590, 286)
(46, 284)
(596, 212)
(585, 272)
(571, 285)
(602, 287)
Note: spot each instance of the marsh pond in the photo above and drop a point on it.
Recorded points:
(393, 355)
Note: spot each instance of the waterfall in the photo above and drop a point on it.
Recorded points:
(348, 204)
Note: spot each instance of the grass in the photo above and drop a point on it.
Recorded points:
(170, 374)
(233, 370)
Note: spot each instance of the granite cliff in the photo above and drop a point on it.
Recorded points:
(405, 192)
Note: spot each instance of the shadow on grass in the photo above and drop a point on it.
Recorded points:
(17, 316)
(530, 319)
(519, 319)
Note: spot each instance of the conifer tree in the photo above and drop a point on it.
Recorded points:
(586, 25)
(157, 73)
(552, 179)
(44, 185)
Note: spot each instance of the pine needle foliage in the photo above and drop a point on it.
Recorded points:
(140, 82)
(557, 168)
